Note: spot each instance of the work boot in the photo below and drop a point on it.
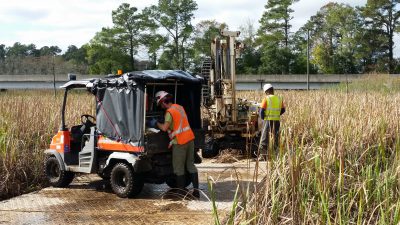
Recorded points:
(180, 185)
(195, 181)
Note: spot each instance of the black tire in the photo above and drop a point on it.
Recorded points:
(124, 182)
(171, 181)
(211, 148)
(55, 175)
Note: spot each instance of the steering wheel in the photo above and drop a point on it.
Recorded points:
(88, 120)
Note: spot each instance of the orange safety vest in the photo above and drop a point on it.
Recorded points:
(181, 129)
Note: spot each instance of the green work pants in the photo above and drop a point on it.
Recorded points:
(183, 158)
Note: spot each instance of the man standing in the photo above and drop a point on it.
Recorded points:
(182, 141)
(272, 107)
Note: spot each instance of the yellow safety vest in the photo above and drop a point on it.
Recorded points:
(274, 106)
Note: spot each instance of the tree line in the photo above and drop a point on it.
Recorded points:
(337, 39)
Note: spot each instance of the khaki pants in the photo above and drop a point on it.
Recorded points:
(183, 158)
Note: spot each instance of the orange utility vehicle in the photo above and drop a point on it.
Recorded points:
(115, 143)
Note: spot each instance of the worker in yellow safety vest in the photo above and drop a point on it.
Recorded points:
(272, 107)
(182, 141)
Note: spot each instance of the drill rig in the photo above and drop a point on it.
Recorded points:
(227, 119)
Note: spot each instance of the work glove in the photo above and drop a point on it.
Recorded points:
(160, 119)
(152, 123)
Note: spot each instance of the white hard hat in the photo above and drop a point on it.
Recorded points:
(266, 87)
(160, 95)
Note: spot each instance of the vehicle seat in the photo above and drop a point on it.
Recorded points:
(77, 133)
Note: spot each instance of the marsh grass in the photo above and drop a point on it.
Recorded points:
(373, 82)
(28, 120)
(339, 158)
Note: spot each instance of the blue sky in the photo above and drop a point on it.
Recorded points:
(75, 22)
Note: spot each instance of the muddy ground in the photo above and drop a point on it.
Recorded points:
(89, 200)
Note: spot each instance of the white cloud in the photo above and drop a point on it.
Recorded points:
(75, 22)
(234, 12)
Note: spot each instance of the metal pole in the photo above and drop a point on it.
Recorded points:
(231, 58)
(63, 128)
(233, 76)
(308, 59)
(176, 91)
(144, 109)
(54, 79)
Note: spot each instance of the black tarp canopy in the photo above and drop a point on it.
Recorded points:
(160, 75)
(121, 100)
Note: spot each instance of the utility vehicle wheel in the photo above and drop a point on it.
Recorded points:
(124, 182)
(55, 176)
(211, 148)
(171, 182)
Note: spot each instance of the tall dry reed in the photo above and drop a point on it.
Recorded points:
(339, 158)
(28, 120)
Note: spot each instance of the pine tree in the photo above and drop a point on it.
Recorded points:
(274, 36)
(384, 15)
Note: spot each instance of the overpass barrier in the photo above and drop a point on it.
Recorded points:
(243, 81)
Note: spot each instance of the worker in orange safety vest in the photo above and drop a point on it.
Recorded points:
(181, 140)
